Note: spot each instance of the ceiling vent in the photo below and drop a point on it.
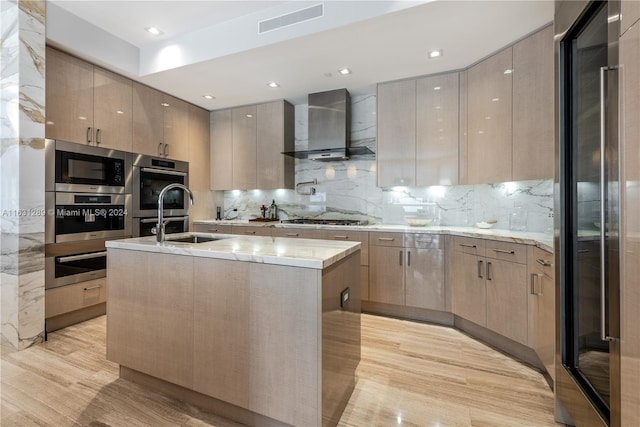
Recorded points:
(292, 18)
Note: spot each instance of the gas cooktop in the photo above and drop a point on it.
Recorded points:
(323, 221)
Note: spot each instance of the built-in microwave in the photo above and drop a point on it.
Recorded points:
(150, 176)
(86, 216)
(82, 168)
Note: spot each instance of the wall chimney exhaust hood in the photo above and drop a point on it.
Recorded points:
(329, 128)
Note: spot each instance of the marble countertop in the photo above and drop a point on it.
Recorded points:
(541, 240)
(306, 253)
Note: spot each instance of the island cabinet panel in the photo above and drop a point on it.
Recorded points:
(221, 330)
(150, 312)
(282, 310)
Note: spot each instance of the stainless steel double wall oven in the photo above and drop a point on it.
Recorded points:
(88, 200)
(150, 176)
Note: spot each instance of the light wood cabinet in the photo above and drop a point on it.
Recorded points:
(199, 167)
(533, 107)
(247, 145)
(542, 313)
(629, 95)
(245, 164)
(489, 119)
(468, 290)
(250, 230)
(148, 118)
(489, 285)
(437, 126)
(275, 135)
(396, 140)
(86, 104)
(407, 270)
(629, 14)
(221, 150)
(160, 124)
(212, 228)
(66, 299)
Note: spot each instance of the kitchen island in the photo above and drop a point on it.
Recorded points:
(261, 330)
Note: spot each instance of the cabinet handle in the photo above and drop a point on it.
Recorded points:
(212, 230)
(502, 251)
(165, 152)
(424, 240)
(386, 239)
(488, 270)
(583, 251)
(408, 258)
(249, 232)
(543, 262)
(341, 237)
(466, 245)
(400, 258)
(93, 287)
(98, 136)
(160, 149)
(292, 234)
(532, 284)
(480, 269)
(89, 135)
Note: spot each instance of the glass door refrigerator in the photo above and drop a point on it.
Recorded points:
(587, 211)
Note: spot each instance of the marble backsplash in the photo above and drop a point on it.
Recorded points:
(347, 189)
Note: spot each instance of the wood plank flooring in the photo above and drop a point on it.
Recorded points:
(411, 374)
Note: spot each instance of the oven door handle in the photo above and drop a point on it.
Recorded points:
(162, 171)
(71, 258)
(171, 219)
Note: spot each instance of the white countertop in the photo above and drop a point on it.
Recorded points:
(306, 253)
(541, 240)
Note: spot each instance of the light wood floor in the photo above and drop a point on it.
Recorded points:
(411, 374)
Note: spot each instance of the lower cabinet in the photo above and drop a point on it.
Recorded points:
(542, 314)
(489, 285)
(212, 228)
(407, 270)
(66, 299)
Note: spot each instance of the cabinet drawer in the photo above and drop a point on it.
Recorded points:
(543, 262)
(248, 230)
(300, 233)
(468, 245)
(211, 228)
(506, 251)
(423, 241)
(74, 297)
(352, 236)
(377, 238)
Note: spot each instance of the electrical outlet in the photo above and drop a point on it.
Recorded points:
(550, 215)
(344, 298)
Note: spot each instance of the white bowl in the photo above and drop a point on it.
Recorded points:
(418, 222)
(484, 224)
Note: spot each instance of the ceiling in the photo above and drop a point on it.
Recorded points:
(213, 47)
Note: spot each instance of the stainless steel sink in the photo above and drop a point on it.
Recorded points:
(193, 239)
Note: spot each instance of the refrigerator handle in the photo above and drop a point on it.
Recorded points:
(604, 336)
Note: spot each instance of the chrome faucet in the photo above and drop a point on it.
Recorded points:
(159, 228)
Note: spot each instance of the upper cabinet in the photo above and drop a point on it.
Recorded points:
(533, 107)
(396, 142)
(247, 144)
(418, 131)
(86, 104)
(160, 124)
(437, 101)
(629, 14)
(489, 131)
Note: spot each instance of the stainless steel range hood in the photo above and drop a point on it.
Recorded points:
(330, 128)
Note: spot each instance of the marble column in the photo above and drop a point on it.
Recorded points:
(22, 112)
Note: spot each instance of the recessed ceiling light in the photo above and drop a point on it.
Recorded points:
(208, 97)
(495, 99)
(153, 30)
(344, 71)
(508, 71)
(436, 88)
(273, 84)
(435, 53)
(249, 115)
